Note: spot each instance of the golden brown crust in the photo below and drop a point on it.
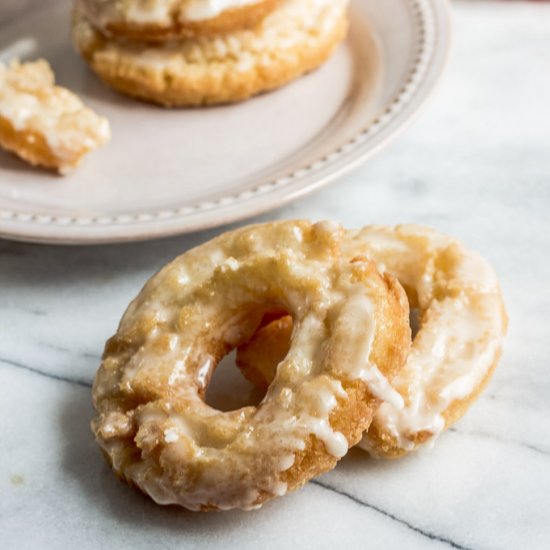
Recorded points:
(200, 73)
(258, 358)
(347, 419)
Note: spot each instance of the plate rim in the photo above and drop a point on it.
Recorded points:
(433, 18)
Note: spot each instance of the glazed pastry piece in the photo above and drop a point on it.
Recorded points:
(297, 37)
(44, 124)
(462, 323)
(161, 20)
(351, 333)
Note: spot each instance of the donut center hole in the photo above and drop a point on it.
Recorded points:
(229, 390)
(414, 321)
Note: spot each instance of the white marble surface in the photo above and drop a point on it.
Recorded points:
(476, 164)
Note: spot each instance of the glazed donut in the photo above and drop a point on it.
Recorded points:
(161, 20)
(350, 334)
(462, 323)
(297, 37)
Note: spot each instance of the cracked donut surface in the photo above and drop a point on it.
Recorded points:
(350, 336)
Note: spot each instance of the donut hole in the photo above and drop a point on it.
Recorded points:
(414, 321)
(229, 390)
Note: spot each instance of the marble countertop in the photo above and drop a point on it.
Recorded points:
(476, 164)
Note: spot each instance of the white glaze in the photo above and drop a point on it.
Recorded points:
(464, 346)
(460, 337)
(358, 327)
(30, 101)
(242, 452)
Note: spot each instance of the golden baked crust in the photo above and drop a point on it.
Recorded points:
(44, 124)
(351, 334)
(228, 21)
(28, 145)
(258, 358)
(296, 38)
(462, 324)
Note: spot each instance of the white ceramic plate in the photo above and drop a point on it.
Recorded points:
(174, 171)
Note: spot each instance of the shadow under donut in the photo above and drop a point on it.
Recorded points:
(117, 503)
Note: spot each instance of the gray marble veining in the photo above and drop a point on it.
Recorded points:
(476, 164)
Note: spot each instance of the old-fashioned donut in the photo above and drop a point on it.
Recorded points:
(462, 322)
(350, 335)
(295, 38)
